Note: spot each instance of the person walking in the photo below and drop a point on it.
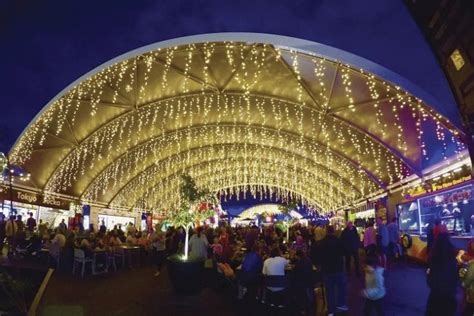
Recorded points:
(332, 268)
(350, 240)
(442, 277)
(374, 291)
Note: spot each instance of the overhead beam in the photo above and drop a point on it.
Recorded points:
(187, 75)
(300, 80)
(360, 104)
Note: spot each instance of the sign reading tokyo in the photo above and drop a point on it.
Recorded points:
(27, 197)
(33, 198)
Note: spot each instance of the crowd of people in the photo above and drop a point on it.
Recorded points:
(246, 254)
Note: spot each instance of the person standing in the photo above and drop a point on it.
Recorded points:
(2, 232)
(468, 279)
(442, 277)
(249, 275)
(11, 230)
(437, 229)
(332, 263)
(102, 228)
(62, 225)
(382, 242)
(131, 230)
(315, 251)
(393, 237)
(429, 236)
(370, 240)
(20, 224)
(350, 240)
(158, 244)
(302, 285)
(30, 224)
(198, 244)
(42, 229)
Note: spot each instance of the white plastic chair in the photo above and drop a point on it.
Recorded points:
(120, 253)
(110, 262)
(80, 258)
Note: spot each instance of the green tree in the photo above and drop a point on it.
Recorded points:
(195, 205)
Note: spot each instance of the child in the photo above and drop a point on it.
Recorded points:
(374, 291)
(216, 248)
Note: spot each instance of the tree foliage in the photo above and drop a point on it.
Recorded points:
(287, 207)
(195, 204)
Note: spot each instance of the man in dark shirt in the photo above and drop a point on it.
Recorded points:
(303, 285)
(31, 224)
(350, 240)
(2, 232)
(332, 263)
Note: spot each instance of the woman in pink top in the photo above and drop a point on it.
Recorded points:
(370, 239)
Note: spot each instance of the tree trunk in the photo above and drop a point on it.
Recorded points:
(186, 243)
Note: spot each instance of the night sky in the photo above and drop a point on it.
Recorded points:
(46, 45)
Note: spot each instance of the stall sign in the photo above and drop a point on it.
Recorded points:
(34, 198)
(450, 183)
(427, 188)
(30, 198)
(458, 196)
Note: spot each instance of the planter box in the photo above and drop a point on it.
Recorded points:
(186, 276)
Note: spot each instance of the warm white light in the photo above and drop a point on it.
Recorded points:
(215, 110)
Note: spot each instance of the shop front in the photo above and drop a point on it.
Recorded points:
(110, 221)
(452, 206)
(51, 210)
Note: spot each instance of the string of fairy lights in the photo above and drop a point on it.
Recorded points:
(200, 154)
(142, 121)
(107, 141)
(334, 192)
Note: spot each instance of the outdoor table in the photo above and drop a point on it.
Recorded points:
(131, 252)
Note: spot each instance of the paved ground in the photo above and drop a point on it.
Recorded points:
(137, 292)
